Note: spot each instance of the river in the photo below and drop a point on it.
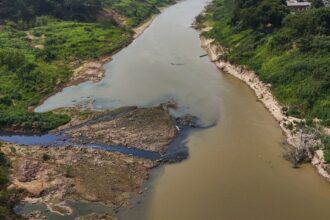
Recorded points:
(235, 169)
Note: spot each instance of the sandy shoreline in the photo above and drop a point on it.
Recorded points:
(141, 28)
(263, 92)
(93, 70)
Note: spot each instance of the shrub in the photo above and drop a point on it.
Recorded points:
(45, 157)
(3, 175)
(3, 159)
(13, 149)
(326, 148)
(294, 56)
(4, 212)
(68, 172)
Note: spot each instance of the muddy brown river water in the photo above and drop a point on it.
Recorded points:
(235, 169)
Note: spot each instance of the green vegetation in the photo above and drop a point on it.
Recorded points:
(326, 148)
(45, 157)
(136, 11)
(289, 50)
(8, 198)
(68, 172)
(41, 41)
(4, 195)
(13, 149)
(24, 80)
(27, 10)
(72, 40)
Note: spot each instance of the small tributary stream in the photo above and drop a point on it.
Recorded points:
(60, 140)
(176, 151)
(235, 169)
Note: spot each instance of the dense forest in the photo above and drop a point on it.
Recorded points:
(135, 11)
(288, 49)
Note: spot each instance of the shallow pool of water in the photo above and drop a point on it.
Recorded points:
(78, 209)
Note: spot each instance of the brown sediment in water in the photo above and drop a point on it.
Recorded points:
(298, 138)
(53, 175)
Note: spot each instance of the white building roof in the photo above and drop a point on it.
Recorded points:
(297, 4)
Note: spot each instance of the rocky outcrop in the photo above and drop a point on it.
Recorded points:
(27, 169)
(37, 215)
(94, 216)
(73, 173)
(149, 129)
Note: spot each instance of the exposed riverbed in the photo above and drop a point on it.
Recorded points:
(235, 169)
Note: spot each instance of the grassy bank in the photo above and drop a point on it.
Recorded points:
(136, 11)
(43, 41)
(37, 60)
(291, 51)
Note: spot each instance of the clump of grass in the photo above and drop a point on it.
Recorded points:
(68, 172)
(326, 147)
(13, 149)
(45, 157)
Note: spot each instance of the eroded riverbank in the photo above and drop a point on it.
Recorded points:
(93, 69)
(54, 176)
(235, 169)
(100, 157)
(303, 139)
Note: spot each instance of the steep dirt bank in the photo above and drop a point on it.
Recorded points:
(304, 140)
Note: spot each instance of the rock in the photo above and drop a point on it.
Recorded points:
(188, 120)
(36, 215)
(94, 216)
(145, 128)
(27, 169)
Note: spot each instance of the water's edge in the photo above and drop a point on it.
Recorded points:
(263, 93)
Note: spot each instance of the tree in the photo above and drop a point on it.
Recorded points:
(317, 3)
(26, 10)
(259, 14)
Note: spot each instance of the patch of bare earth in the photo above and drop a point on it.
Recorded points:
(94, 216)
(55, 175)
(144, 128)
(89, 71)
